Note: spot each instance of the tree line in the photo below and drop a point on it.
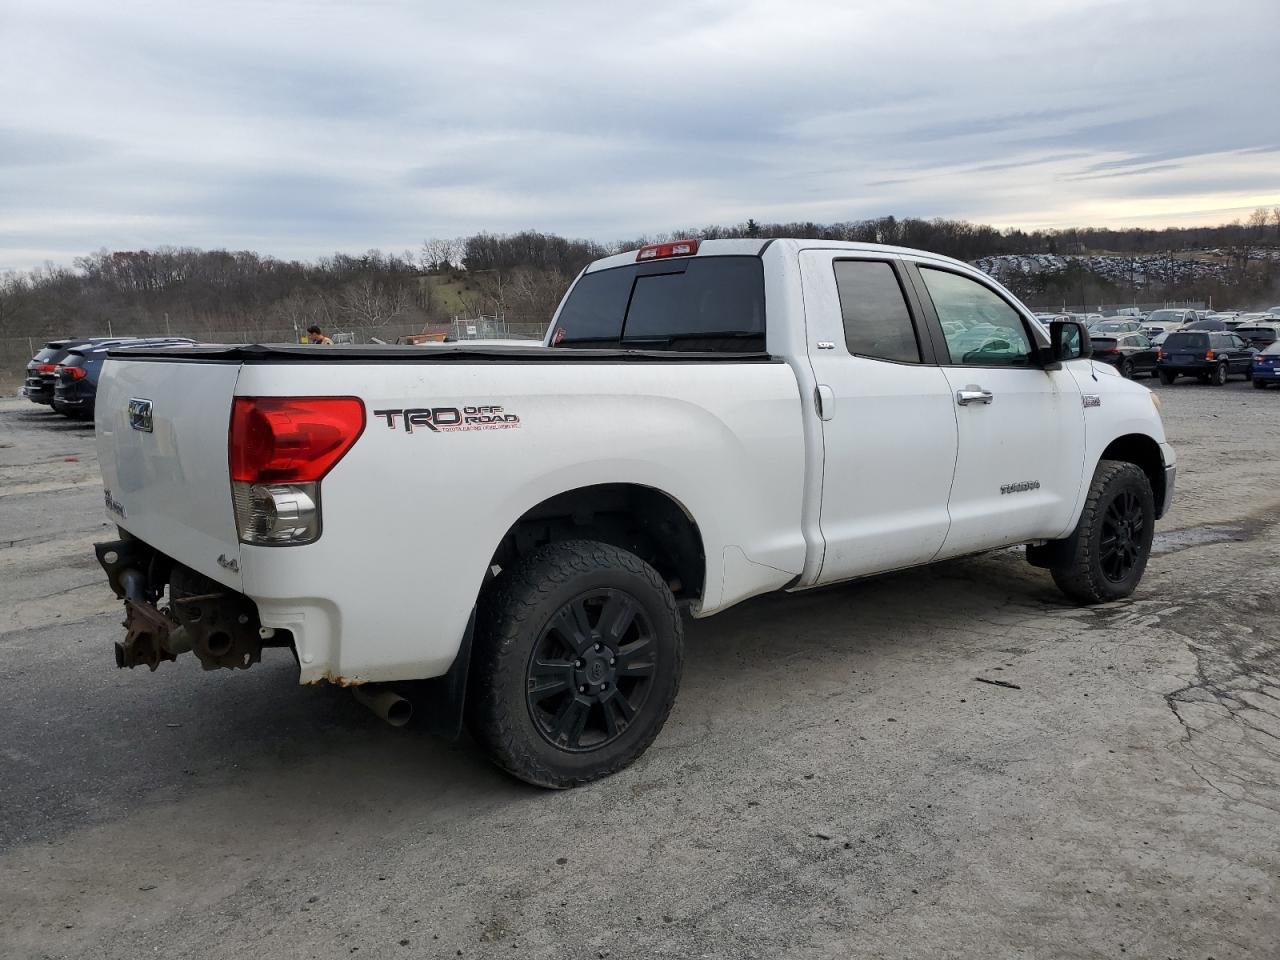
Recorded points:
(523, 275)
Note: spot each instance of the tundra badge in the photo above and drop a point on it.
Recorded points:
(140, 414)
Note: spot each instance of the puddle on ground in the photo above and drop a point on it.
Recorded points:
(1175, 540)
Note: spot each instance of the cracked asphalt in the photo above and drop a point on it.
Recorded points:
(833, 782)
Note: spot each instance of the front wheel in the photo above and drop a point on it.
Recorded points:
(577, 663)
(1166, 377)
(1107, 554)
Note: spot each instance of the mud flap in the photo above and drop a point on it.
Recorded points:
(443, 698)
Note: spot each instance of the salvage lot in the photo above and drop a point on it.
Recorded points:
(833, 781)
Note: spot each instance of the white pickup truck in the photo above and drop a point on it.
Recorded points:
(705, 422)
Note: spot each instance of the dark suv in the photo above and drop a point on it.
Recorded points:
(1130, 353)
(41, 369)
(1208, 355)
(76, 386)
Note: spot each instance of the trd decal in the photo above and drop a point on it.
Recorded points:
(450, 419)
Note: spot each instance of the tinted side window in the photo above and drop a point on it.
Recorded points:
(993, 335)
(877, 322)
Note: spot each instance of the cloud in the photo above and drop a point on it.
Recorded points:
(298, 128)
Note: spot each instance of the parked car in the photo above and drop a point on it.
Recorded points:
(76, 377)
(1209, 356)
(41, 369)
(1259, 335)
(1170, 319)
(1114, 326)
(677, 441)
(1266, 366)
(1130, 353)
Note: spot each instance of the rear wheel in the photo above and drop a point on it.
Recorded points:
(1219, 376)
(1109, 549)
(1259, 385)
(1126, 369)
(1166, 377)
(578, 657)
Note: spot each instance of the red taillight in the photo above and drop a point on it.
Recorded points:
(1159, 354)
(72, 373)
(1208, 355)
(660, 251)
(291, 439)
(46, 368)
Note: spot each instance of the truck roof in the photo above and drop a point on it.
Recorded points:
(749, 247)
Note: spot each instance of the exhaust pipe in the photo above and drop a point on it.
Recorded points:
(384, 702)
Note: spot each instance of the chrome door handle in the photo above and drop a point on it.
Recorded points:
(973, 394)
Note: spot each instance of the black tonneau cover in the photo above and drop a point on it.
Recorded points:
(427, 353)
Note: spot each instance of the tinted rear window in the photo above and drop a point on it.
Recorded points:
(1256, 333)
(1186, 341)
(702, 303)
(47, 354)
(1104, 343)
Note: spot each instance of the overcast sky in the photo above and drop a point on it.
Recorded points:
(299, 129)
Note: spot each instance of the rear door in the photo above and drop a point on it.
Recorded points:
(162, 430)
(888, 425)
(1020, 455)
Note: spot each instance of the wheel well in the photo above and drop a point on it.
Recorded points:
(1143, 452)
(639, 519)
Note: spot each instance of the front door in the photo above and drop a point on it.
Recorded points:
(1020, 453)
(888, 423)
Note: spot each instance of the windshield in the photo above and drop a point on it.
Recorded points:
(696, 303)
(1164, 316)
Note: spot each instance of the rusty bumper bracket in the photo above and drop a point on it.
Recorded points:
(147, 636)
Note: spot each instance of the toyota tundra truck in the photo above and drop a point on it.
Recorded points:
(523, 528)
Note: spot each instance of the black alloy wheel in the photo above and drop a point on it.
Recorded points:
(576, 663)
(1122, 537)
(1106, 555)
(591, 670)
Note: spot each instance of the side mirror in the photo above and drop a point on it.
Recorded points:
(1070, 340)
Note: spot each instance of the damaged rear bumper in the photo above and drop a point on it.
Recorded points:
(171, 609)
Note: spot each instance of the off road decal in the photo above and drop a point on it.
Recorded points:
(450, 419)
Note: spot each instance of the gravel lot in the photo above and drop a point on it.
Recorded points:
(833, 781)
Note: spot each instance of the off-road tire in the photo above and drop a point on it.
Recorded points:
(1220, 375)
(1166, 377)
(514, 615)
(1081, 576)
